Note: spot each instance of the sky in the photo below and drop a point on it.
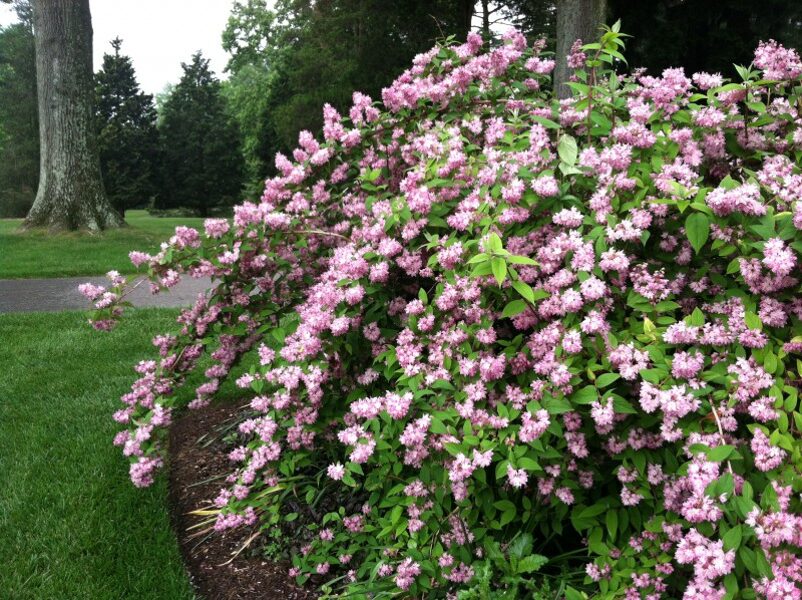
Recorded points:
(158, 35)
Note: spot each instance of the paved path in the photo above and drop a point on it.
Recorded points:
(32, 295)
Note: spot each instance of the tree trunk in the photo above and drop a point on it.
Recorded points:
(71, 193)
(465, 11)
(576, 19)
(486, 20)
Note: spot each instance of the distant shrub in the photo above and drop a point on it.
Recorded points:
(498, 337)
(187, 212)
(15, 204)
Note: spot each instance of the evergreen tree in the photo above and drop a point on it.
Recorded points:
(127, 135)
(201, 143)
(19, 118)
(534, 18)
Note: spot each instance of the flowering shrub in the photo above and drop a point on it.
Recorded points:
(509, 338)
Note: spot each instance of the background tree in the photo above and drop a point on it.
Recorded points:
(288, 61)
(704, 36)
(71, 193)
(698, 35)
(127, 135)
(201, 144)
(576, 19)
(19, 121)
(534, 18)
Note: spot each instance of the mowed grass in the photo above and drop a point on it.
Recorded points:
(71, 524)
(27, 254)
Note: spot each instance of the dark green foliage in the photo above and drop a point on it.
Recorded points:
(287, 62)
(700, 35)
(19, 118)
(201, 143)
(704, 35)
(127, 135)
(535, 18)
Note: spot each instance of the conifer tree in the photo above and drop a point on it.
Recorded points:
(127, 135)
(201, 144)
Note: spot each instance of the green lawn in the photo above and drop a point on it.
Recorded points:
(44, 254)
(71, 524)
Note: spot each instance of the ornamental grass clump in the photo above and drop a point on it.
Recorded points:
(495, 342)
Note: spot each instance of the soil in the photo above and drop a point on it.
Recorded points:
(214, 571)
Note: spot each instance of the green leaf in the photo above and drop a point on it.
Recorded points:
(525, 290)
(591, 511)
(606, 379)
(521, 545)
(516, 307)
(508, 511)
(770, 362)
(697, 318)
(753, 321)
(572, 594)
(720, 453)
(482, 269)
(556, 406)
(697, 227)
(732, 539)
(528, 464)
(586, 395)
(567, 149)
(532, 563)
(499, 268)
(611, 520)
(762, 564)
(522, 260)
(494, 243)
(372, 175)
(547, 123)
(437, 426)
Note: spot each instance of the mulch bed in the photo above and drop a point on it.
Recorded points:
(208, 558)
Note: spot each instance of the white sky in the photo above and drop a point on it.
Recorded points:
(158, 35)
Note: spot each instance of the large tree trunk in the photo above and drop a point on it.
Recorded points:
(576, 19)
(465, 19)
(486, 33)
(71, 193)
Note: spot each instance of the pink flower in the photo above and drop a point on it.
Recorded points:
(406, 573)
(215, 228)
(516, 477)
(533, 428)
(767, 457)
(777, 62)
(336, 471)
(744, 199)
(779, 259)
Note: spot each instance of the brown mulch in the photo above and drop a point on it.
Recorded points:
(208, 558)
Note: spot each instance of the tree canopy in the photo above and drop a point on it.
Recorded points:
(19, 120)
(127, 134)
(287, 61)
(200, 143)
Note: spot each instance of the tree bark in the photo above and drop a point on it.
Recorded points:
(486, 21)
(576, 19)
(465, 12)
(71, 193)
